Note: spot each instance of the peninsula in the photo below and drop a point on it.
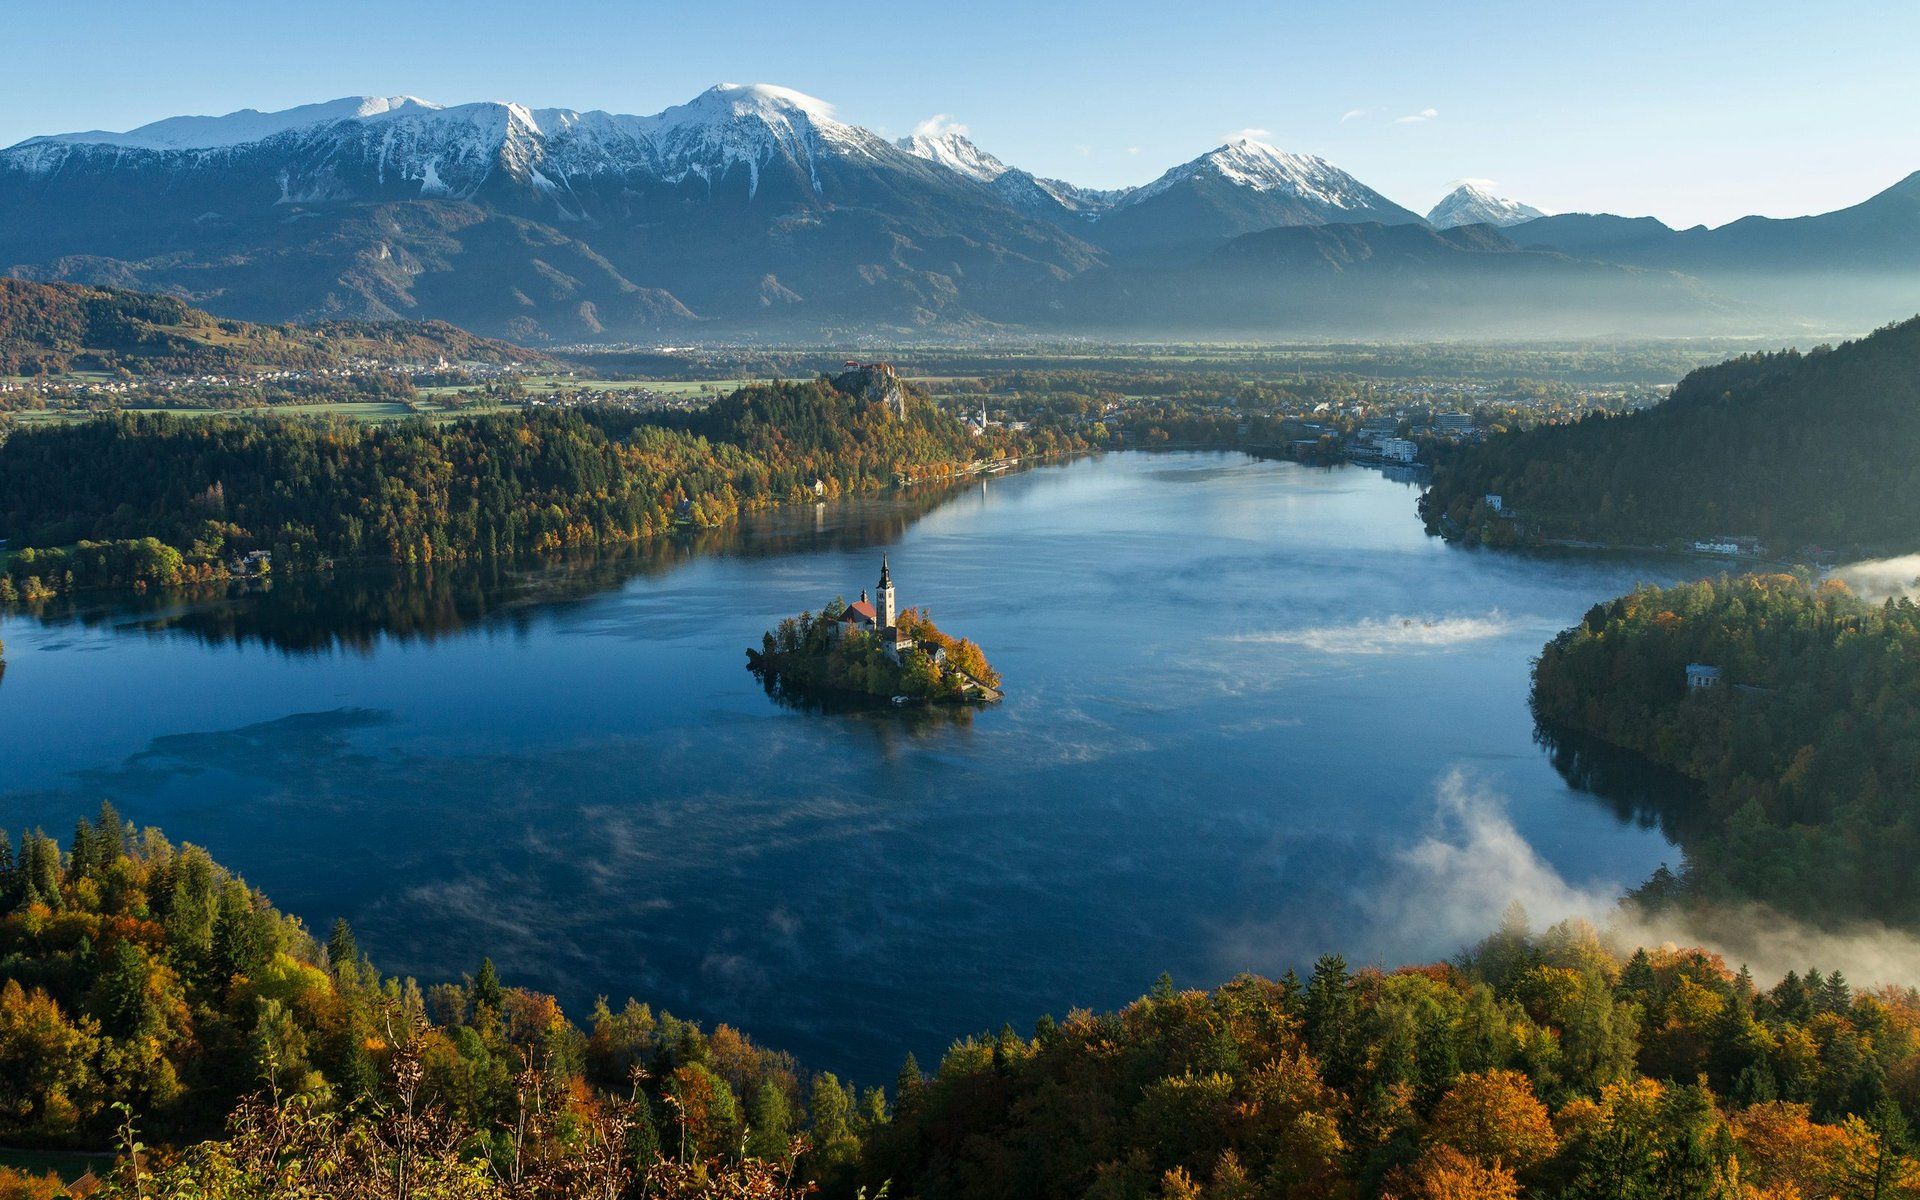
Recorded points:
(873, 648)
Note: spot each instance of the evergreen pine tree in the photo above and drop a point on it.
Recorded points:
(909, 1086)
(1330, 1016)
(1836, 996)
(487, 992)
(343, 951)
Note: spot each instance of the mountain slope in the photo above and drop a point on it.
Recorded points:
(749, 204)
(1055, 200)
(1850, 266)
(1374, 279)
(1471, 204)
(1789, 448)
(755, 210)
(1241, 187)
(54, 327)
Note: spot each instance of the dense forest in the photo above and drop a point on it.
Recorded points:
(1801, 451)
(149, 998)
(808, 655)
(52, 327)
(1807, 746)
(166, 500)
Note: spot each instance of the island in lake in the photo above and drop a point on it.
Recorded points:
(873, 648)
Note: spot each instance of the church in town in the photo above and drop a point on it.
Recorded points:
(878, 615)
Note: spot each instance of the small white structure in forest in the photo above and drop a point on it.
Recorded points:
(1701, 676)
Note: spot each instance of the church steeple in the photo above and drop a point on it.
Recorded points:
(883, 596)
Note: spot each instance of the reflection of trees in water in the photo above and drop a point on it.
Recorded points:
(352, 609)
(1634, 788)
(883, 719)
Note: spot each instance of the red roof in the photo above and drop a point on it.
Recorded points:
(862, 610)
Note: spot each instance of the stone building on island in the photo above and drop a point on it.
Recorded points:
(878, 616)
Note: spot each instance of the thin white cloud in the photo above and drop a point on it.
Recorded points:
(1084, 151)
(1425, 114)
(1354, 114)
(1133, 149)
(1250, 135)
(938, 125)
(1486, 185)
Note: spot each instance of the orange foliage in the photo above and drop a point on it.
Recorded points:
(1444, 1173)
(1494, 1116)
(1783, 1148)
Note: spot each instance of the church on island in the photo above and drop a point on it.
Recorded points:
(873, 647)
(880, 616)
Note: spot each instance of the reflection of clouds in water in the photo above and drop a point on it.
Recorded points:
(1455, 881)
(1877, 579)
(1390, 635)
(1450, 886)
(617, 808)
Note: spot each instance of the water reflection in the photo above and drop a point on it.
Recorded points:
(354, 610)
(1239, 689)
(1632, 787)
(883, 718)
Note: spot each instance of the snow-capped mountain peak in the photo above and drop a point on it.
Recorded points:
(765, 103)
(750, 125)
(1474, 203)
(1264, 168)
(952, 149)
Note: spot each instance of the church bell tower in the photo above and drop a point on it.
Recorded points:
(883, 597)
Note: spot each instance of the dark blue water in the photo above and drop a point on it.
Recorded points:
(1253, 714)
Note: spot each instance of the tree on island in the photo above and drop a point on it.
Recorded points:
(828, 655)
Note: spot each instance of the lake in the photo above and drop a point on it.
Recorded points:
(1254, 714)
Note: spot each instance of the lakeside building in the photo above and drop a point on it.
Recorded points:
(1701, 676)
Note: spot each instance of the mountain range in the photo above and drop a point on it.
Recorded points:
(753, 210)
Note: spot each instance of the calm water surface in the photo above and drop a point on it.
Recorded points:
(1254, 714)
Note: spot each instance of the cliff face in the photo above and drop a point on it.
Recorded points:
(875, 382)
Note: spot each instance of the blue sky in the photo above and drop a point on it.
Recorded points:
(1691, 110)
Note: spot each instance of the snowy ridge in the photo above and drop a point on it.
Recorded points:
(1472, 204)
(240, 128)
(952, 150)
(451, 151)
(733, 132)
(751, 125)
(1263, 168)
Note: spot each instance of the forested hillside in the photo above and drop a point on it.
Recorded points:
(168, 500)
(50, 327)
(1808, 746)
(1797, 450)
(147, 994)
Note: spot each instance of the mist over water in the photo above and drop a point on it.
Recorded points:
(1879, 579)
(1253, 715)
